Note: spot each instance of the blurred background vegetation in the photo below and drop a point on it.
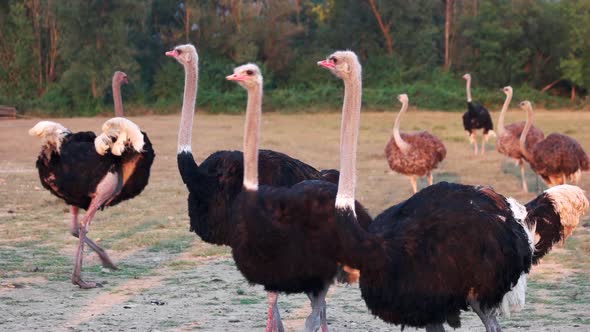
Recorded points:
(57, 57)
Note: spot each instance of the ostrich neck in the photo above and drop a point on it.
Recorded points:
(525, 131)
(349, 129)
(117, 99)
(468, 88)
(399, 141)
(188, 107)
(501, 127)
(251, 136)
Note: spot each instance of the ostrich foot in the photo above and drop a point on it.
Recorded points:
(76, 280)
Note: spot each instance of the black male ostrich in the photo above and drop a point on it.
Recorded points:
(282, 236)
(447, 247)
(215, 183)
(476, 117)
(77, 168)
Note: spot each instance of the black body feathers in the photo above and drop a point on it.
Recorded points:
(477, 117)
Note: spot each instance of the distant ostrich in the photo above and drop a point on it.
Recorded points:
(413, 154)
(283, 236)
(448, 246)
(557, 158)
(118, 78)
(476, 117)
(507, 142)
(74, 168)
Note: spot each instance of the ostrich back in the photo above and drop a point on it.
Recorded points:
(284, 238)
(136, 171)
(445, 243)
(509, 142)
(558, 154)
(425, 152)
(74, 172)
(214, 185)
(477, 117)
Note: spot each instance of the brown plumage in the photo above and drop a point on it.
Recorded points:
(507, 142)
(413, 154)
(557, 159)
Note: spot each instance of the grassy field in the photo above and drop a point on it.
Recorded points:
(171, 281)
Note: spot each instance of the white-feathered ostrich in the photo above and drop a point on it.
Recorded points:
(448, 247)
(476, 117)
(80, 169)
(413, 154)
(557, 158)
(282, 236)
(507, 142)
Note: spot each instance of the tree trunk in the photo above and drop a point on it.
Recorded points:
(448, 6)
(573, 93)
(93, 88)
(384, 29)
(550, 85)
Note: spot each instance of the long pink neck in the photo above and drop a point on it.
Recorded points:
(349, 130)
(251, 137)
(501, 127)
(117, 98)
(525, 131)
(191, 77)
(399, 141)
(468, 88)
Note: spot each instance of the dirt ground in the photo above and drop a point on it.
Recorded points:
(169, 280)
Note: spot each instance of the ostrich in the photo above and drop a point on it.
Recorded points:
(77, 168)
(556, 158)
(413, 154)
(449, 246)
(119, 78)
(215, 183)
(282, 234)
(476, 117)
(507, 142)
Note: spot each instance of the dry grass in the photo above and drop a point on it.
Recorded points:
(149, 237)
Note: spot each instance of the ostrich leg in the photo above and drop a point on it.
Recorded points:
(105, 190)
(435, 328)
(75, 231)
(414, 184)
(429, 177)
(273, 320)
(473, 140)
(484, 138)
(317, 318)
(488, 317)
(523, 177)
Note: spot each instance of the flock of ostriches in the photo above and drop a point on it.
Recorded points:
(294, 229)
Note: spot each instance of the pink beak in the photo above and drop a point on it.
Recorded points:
(326, 64)
(172, 53)
(235, 77)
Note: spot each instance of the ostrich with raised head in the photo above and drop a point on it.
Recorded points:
(557, 158)
(91, 172)
(214, 184)
(507, 142)
(282, 237)
(448, 247)
(476, 117)
(413, 154)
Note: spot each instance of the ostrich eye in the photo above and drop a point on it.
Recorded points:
(249, 72)
(179, 51)
(333, 59)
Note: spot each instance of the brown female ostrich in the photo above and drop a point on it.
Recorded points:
(476, 117)
(413, 154)
(507, 142)
(557, 158)
(77, 168)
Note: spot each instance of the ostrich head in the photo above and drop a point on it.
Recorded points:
(248, 76)
(507, 90)
(341, 64)
(120, 77)
(467, 77)
(185, 54)
(403, 98)
(525, 105)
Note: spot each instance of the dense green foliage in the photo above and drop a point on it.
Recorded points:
(57, 57)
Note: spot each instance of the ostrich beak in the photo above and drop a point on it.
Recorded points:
(235, 77)
(173, 53)
(326, 64)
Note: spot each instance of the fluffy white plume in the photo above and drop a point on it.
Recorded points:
(51, 134)
(570, 203)
(125, 132)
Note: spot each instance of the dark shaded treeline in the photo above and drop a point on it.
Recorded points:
(57, 57)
